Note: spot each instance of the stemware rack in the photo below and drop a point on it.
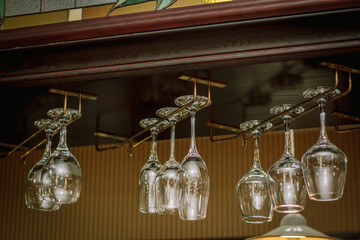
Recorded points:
(131, 140)
(66, 93)
(243, 134)
(133, 143)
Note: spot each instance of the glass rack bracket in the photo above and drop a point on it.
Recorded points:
(243, 134)
(338, 115)
(8, 145)
(132, 140)
(202, 81)
(66, 93)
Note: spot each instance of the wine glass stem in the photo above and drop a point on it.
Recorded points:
(256, 163)
(49, 135)
(287, 150)
(62, 141)
(323, 135)
(172, 140)
(193, 143)
(153, 154)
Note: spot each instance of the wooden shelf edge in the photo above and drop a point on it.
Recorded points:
(92, 29)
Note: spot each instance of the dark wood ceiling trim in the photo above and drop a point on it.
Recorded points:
(167, 19)
(188, 63)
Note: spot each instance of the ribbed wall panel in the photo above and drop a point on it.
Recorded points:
(108, 206)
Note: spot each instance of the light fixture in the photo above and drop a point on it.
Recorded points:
(293, 226)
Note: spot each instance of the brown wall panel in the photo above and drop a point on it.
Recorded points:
(108, 206)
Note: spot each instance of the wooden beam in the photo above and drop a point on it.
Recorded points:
(91, 29)
(246, 41)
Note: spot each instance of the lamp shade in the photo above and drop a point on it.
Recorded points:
(293, 226)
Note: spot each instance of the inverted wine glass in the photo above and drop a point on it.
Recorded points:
(289, 194)
(166, 178)
(34, 188)
(254, 188)
(63, 171)
(324, 164)
(193, 176)
(147, 190)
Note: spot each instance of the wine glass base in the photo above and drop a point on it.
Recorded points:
(42, 122)
(251, 123)
(199, 102)
(289, 208)
(256, 219)
(69, 114)
(144, 123)
(278, 109)
(163, 112)
(313, 92)
(327, 197)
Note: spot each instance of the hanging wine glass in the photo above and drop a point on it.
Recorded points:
(63, 171)
(166, 178)
(34, 188)
(324, 164)
(193, 176)
(254, 188)
(289, 194)
(147, 191)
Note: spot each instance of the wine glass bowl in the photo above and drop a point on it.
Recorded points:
(35, 189)
(325, 172)
(63, 172)
(194, 185)
(324, 164)
(289, 193)
(193, 176)
(147, 188)
(166, 179)
(166, 189)
(254, 188)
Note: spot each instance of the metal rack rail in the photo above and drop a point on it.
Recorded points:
(131, 140)
(66, 93)
(245, 139)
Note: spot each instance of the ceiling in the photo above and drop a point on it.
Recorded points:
(265, 58)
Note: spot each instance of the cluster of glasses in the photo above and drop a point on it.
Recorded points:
(56, 178)
(174, 188)
(321, 173)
